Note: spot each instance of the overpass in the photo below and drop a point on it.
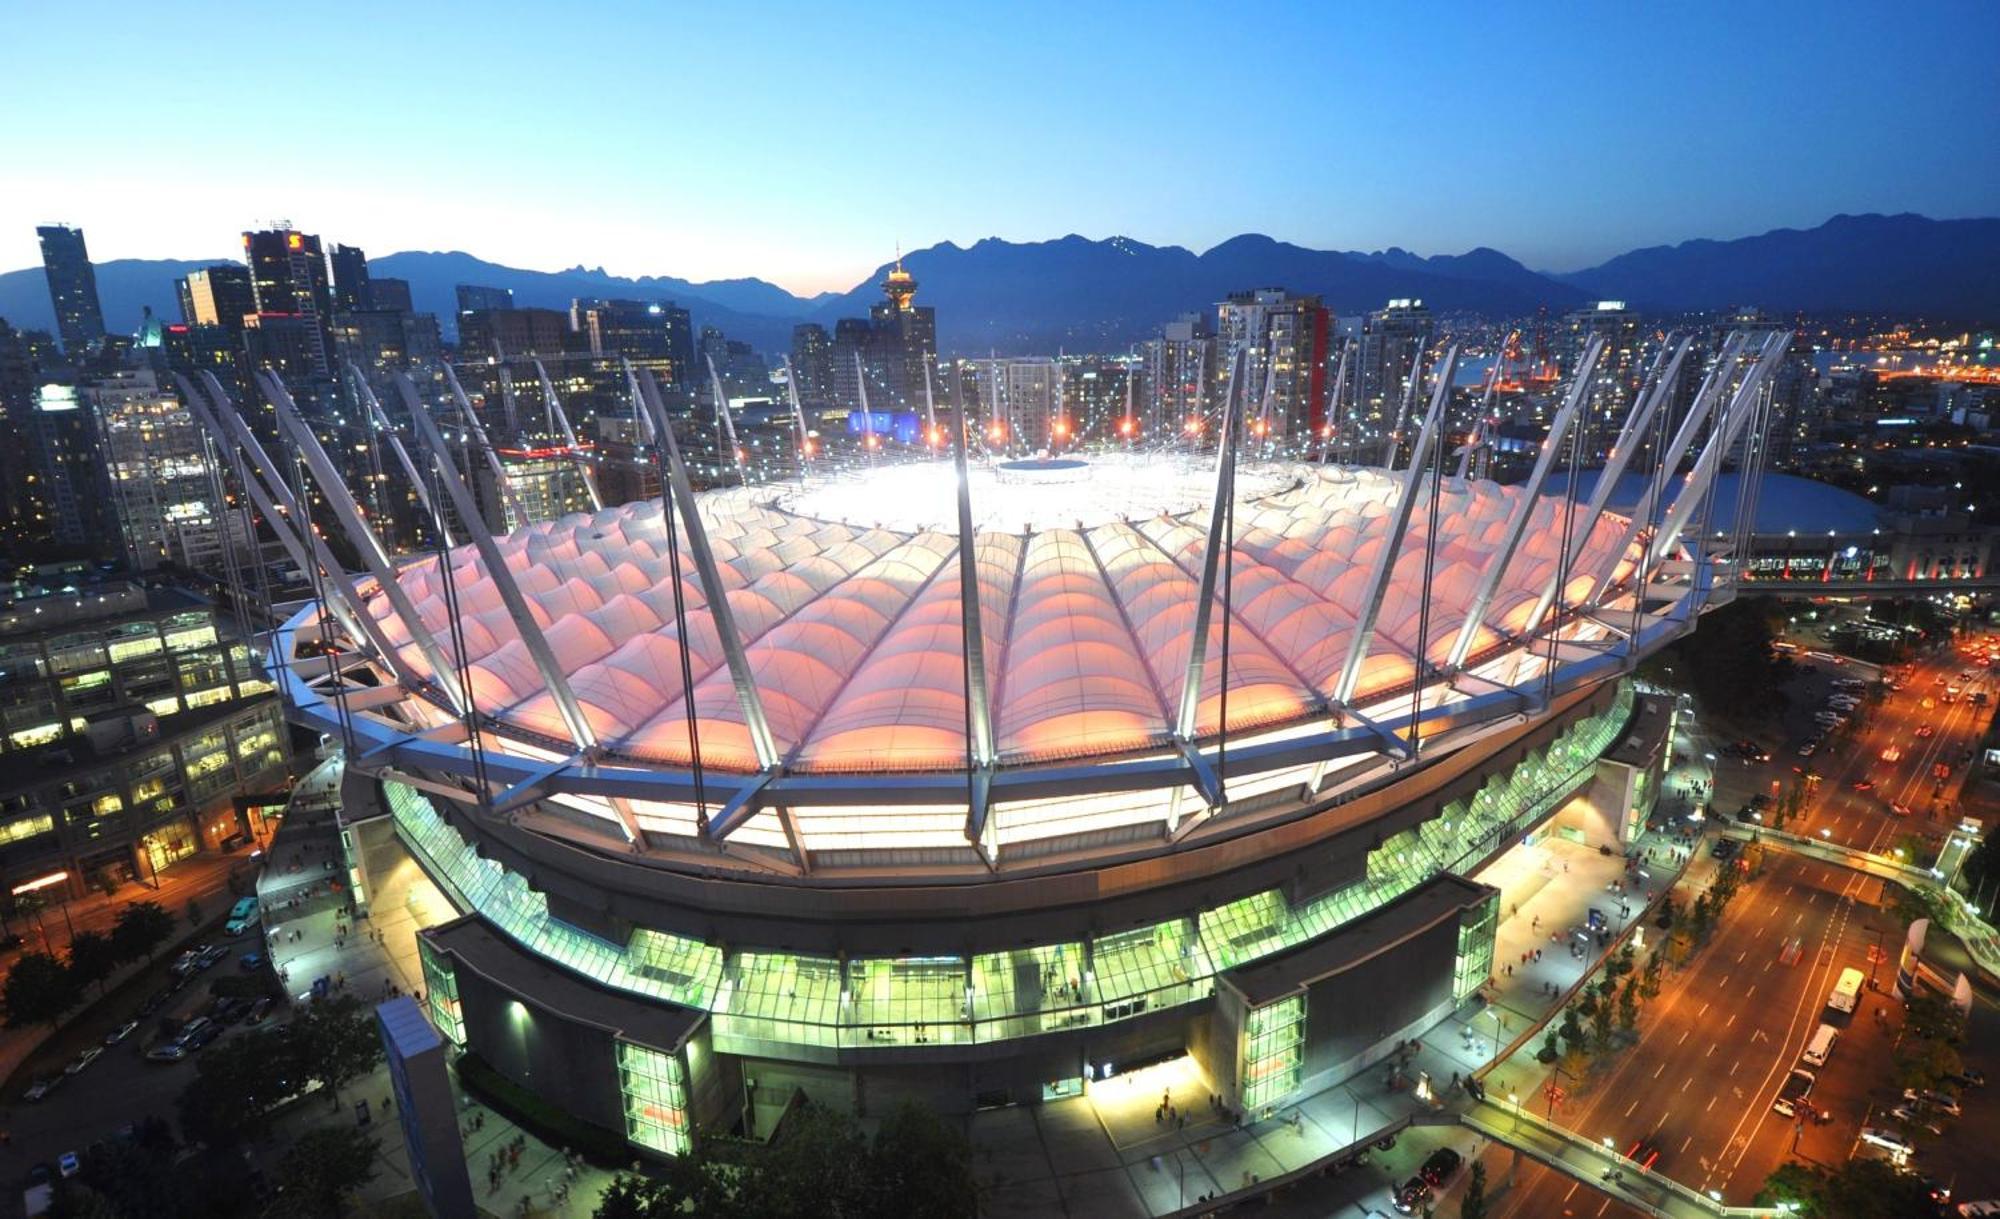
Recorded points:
(1597, 1165)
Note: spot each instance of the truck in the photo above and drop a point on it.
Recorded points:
(1846, 992)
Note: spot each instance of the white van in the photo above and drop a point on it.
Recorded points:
(1821, 1045)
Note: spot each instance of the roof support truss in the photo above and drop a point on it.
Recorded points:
(1399, 525)
(1498, 562)
(712, 588)
(366, 543)
(379, 420)
(553, 678)
(470, 419)
(728, 423)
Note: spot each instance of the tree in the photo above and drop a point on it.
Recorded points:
(921, 1166)
(1701, 917)
(1910, 903)
(236, 1084)
(1649, 979)
(1473, 1204)
(334, 1041)
(92, 957)
(1549, 1051)
(194, 912)
(141, 928)
(1600, 1022)
(322, 1168)
(1628, 1005)
(1857, 1189)
(39, 989)
(1571, 1030)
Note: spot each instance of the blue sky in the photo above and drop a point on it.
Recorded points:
(802, 142)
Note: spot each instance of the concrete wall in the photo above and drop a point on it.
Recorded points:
(1356, 1017)
(568, 1065)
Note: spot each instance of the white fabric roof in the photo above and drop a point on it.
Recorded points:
(853, 633)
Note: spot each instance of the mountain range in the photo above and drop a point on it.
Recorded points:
(1083, 294)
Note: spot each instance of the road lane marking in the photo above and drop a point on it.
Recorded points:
(1686, 1141)
(1658, 1069)
(1684, 1036)
(1630, 1107)
(1704, 1008)
(1711, 1104)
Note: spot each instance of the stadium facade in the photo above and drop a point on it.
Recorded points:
(978, 780)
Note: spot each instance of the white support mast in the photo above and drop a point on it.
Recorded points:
(561, 418)
(478, 430)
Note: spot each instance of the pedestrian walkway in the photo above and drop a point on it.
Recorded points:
(1598, 1166)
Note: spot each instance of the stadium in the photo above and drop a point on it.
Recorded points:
(979, 779)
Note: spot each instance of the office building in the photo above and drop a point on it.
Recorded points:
(71, 501)
(72, 288)
(649, 334)
(288, 278)
(390, 295)
(473, 298)
(350, 279)
(518, 334)
(164, 488)
(220, 295)
(131, 722)
(812, 362)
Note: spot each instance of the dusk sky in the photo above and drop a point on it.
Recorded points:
(802, 143)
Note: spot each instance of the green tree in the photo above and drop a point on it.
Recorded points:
(237, 1083)
(38, 990)
(1628, 1005)
(819, 1167)
(1857, 1189)
(1549, 1051)
(1574, 1039)
(920, 1166)
(141, 928)
(1600, 1023)
(324, 1166)
(92, 957)
(1473, 1204)
(334, 1041)
(1909, 904)
(1701, 917)
(1649, 979)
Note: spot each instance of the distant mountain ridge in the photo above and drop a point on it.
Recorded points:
(1082, 294)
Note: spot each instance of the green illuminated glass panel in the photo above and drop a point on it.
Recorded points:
(1474, 963)
(655, 1091)
(441, 993)
(1273, 1052)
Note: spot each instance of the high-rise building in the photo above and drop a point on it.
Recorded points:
(217, 296)
(71, 499)
(812, 362)
(518, 334)
(1021, 403)
(904, 343)
(390, 294)
(1096, 392)
(1618, 369)
(1392, 342)
(288, 277)
(72, 287)
(350, 279)
(1180, 366)
(163, 486)
(651, 334)
(1284, 340)
(473, 298)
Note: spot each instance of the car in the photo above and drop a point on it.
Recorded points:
(68, 1165)
(1943, 1102)
(1862, 785)
(259, 1010)
(1888, 1140)
(1643, 1152)
(200, 1038)
(234, 1010)
(77, 1064)
(1968, 1078)
(1928, 704)
(1438, 1168)
(210, 957)
(167, 1051)
(1977, 1210)
(40, 1089)
(1723, 848)
(1809, 748)
(251, 961)
(1941, 770)
(1899, 808)
(122, 1032)
(1927, 731)
(1414, 1193)
(1759, 802)
(1916, 1119)
(1893, 753)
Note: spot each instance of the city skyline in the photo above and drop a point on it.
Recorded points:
(1436, 137)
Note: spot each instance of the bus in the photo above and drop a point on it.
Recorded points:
(1846, 992)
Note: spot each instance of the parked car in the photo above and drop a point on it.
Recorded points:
(167, 1051)
(259, 1010)
(202, 1036)
(1414, 1193)
(77, 1064)
(1968, 1078)
(121, 1032)
(155, 1001)
(40, 1089)
(68, 1165)
(1438, 1168)
(251, 961)
(1943, 1102)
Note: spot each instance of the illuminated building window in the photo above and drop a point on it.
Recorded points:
(26, 827)
(655, 1091)
(441, 993)
(1273, 1053)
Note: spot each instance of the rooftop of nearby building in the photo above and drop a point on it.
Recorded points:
(1786, 503)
